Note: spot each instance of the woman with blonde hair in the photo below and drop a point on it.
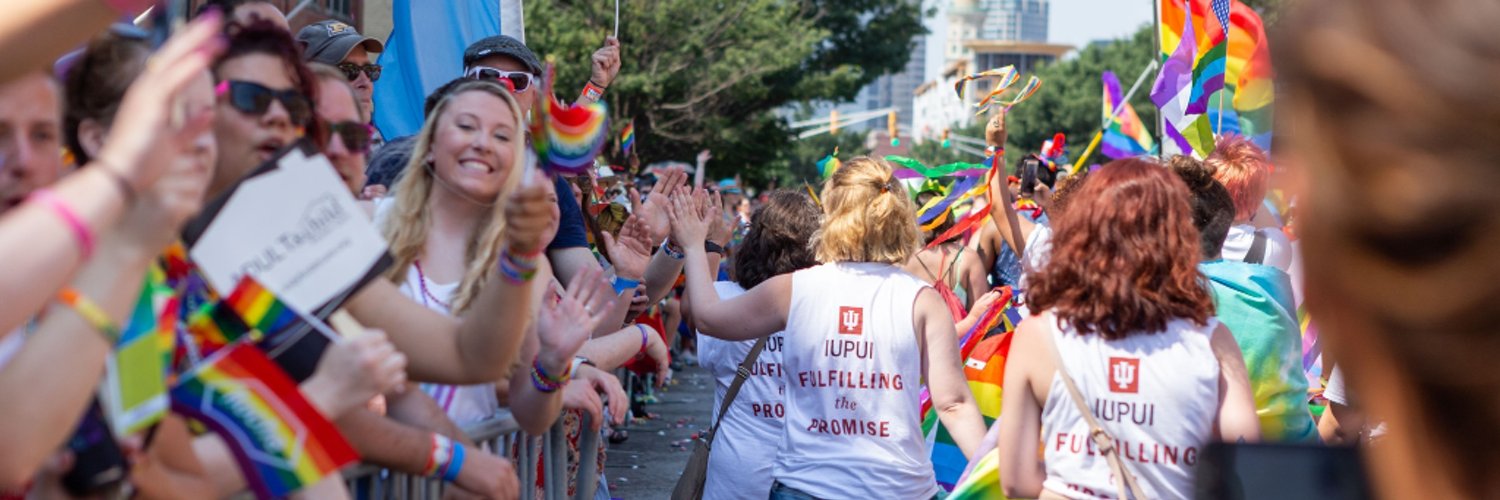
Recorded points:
(861, 338)
(445, 228)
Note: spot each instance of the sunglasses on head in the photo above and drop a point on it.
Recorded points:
(351, 71)
(255, 99)
(356, 135)
(519, 81)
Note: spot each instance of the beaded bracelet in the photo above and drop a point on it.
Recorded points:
(517, 269)
(545, 383)
(81, 231)
(91, 313)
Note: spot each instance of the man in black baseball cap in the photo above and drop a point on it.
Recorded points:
(337, 44)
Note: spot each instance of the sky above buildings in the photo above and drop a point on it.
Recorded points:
(1071, 22)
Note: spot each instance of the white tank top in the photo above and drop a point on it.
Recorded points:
(464, 404)
(1157, 394)
(745, 447)
(853, 375)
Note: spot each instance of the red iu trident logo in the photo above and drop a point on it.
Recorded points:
(1124, 375)
(851, 320)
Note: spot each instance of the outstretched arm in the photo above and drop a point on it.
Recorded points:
(759, 312)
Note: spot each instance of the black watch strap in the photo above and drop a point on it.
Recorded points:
(709, 246)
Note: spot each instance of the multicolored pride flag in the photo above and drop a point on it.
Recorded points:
(215, 325)
(260, 308)
(984, 351)
(134, 391)
(1124, 134)
(829, 164)
(280, 441)
(627, 138)
(982, 483)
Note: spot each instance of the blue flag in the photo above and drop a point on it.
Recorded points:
(426, 50)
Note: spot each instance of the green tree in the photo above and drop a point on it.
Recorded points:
(708, 74)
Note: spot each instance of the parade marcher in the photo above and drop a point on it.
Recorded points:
(1244, 170)
(744, 445)
(1138, 338)
(1255, 303)
(855, 324)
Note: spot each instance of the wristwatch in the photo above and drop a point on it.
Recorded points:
(711, 247)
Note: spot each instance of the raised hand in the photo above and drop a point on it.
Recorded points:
(689, 221)
(528, 215)
(994, 131)
(564, 326)
(721, 230)
(632, 250)
(606, 63)
(653, 213)
(150, 130)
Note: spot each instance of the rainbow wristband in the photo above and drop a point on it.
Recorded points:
(645, 341)
(592, 92)
(450, 473)
(441, 455)
(515, 269)
(546, 383)
(81, 231)
(91, 313)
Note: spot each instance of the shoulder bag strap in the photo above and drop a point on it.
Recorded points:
(1257, 253)
(734, 388)
(1101, 438)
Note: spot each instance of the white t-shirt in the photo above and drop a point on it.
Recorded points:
(1278, 247)
(1156, 394)
(745, 447)
(1038, 251)
(853, 377)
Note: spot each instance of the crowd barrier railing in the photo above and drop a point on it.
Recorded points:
(499, 435)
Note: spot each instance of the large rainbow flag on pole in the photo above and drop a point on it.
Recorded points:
(1230, 63)
(1124, 134)
(280, 441)
(1183, 132)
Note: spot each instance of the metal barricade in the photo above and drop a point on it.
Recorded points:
(501, 436)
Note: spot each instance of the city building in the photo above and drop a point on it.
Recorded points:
(304, 12)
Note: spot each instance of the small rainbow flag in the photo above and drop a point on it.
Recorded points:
(134, 392)
(567, 138)
(829, 164)
(984, 352)
(260, 308)
(214, 326)
(627, 138)
(280, 441)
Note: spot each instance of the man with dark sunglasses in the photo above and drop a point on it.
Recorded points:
(341, 46)
(348, 141)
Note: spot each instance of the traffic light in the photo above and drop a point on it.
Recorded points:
(833, 122)
(890, 126)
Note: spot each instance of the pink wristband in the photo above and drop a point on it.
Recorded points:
(80, 230)
(131, 7)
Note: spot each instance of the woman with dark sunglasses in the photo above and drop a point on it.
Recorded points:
(348, 142)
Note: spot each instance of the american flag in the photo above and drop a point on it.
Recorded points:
(1221, 11)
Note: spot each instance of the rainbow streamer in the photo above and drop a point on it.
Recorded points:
(260, 308)
(829, 164)
(280, 441)
(627, 138)
(913, 169)
(959, 191)
(567, 138)
(1005, 77)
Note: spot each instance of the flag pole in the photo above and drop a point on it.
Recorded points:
(1156, 56)
(1124, 101)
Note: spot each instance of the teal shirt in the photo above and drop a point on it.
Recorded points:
(1255, 303)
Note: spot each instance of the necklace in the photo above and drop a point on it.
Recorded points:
(426, 294)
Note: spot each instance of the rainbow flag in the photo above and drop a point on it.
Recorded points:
(1248, 74)
(215, 325)
(1255, 303)
(134, 391)
(627, 138)
(984, 357)
(280, 441)
(567, 137)
(1124, 136)
(982, 483)
(260, 308)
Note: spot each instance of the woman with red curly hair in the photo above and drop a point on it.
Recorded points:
(1121, 303)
